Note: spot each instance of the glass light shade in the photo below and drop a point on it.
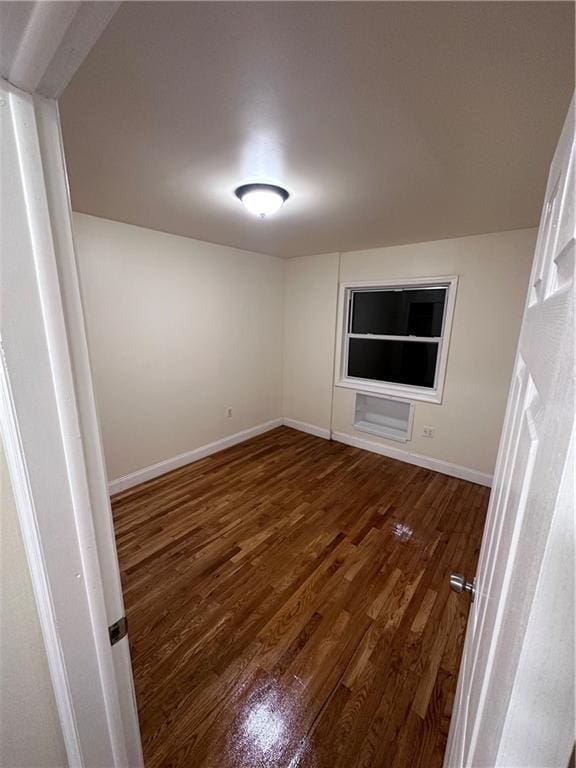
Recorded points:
(262, 199)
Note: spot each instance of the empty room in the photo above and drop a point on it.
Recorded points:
(287, 415)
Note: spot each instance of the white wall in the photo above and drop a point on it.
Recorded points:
(493, 271)
(30, 733)
(179, 331)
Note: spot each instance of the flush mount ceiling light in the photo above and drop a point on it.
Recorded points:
(261, 199)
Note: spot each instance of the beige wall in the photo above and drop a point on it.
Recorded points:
(309, 319)
(493, 274)
(179, 331)
(30, 733)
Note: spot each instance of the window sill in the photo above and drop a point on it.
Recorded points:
(391, 390)
(386, 432)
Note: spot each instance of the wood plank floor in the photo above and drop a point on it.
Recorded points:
(288, 606)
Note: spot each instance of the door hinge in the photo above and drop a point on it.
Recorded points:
(118, 630)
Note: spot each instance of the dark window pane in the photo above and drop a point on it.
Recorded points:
(398, 313)
(400, 362)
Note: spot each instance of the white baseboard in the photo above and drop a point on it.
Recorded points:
(155, 470)
(311, 429)
(437, 465)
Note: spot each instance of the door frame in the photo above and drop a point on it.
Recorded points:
(46, 396)
(48, 421)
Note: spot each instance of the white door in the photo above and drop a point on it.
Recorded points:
(514, 706)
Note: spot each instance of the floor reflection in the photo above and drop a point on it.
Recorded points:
(264, 727)
(402, 531)
(268, 728)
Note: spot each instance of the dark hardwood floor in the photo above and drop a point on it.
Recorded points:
(288, 606)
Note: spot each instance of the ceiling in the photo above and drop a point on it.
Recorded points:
(388, 122)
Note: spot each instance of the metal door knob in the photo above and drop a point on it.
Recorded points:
(458, 583)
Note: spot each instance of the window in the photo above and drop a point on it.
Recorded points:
(394, 336)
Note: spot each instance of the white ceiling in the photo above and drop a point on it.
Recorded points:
(388, 122)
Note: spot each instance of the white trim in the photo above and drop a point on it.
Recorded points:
(61, 215)
(49, 41)
(167, 465)
(437, 465)
(414, 282)
(39, 415)
(390, 390)
(390, 337)
(311, 429)
(425, 394)
(36, 356)
(31, 538)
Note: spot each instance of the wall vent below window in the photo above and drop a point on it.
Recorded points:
(384, 416)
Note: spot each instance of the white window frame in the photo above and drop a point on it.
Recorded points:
(426, 394)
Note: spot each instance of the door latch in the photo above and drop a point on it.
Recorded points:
(118, 630)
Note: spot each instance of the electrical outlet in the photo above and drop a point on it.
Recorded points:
(427, 431)
(229, 413)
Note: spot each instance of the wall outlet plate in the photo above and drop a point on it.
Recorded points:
(427, 431)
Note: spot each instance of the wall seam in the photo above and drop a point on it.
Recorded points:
(333, 382)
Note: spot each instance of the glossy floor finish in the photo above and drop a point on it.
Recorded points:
(288, 606)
